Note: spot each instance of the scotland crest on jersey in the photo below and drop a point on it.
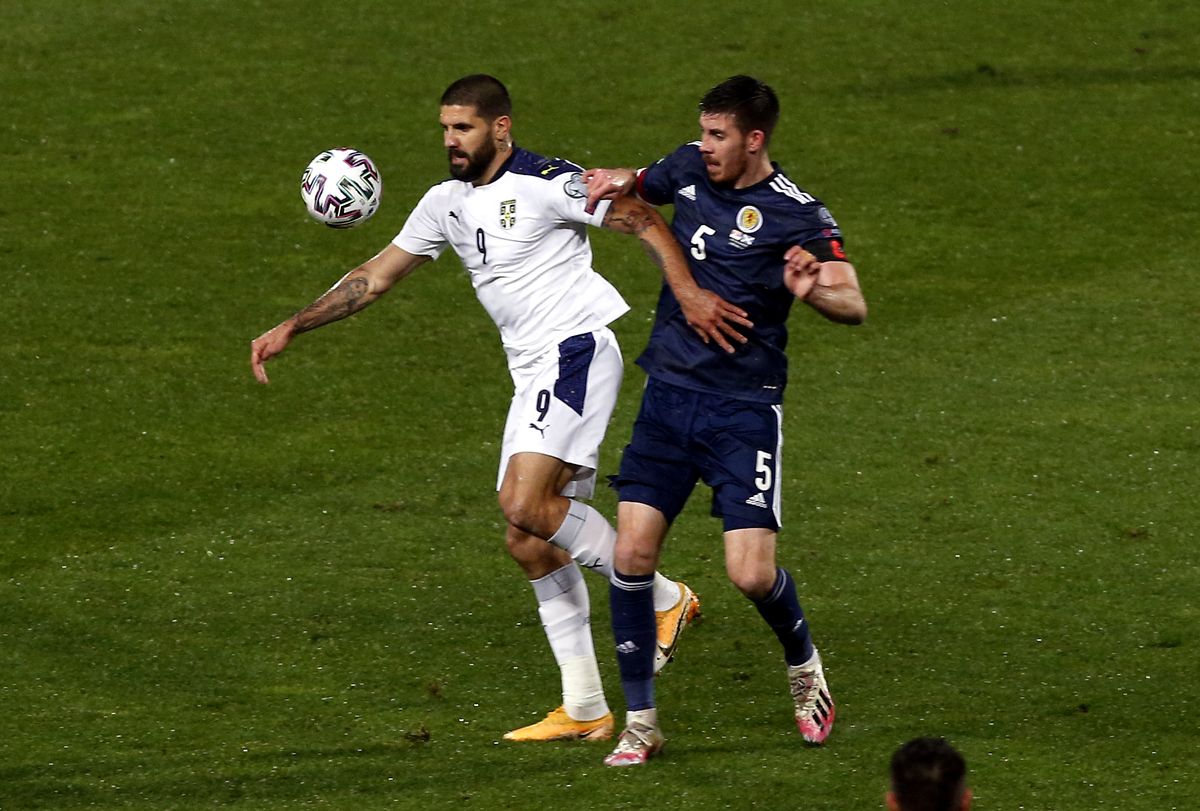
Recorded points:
(749, 219)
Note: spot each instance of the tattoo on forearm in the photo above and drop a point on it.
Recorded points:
(628, 222)
(655, 255)
(343, 300)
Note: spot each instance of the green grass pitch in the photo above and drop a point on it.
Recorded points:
(214, 594)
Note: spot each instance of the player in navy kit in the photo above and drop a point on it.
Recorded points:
(760, 242)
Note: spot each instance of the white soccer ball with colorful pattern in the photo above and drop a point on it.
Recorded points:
(341, 187)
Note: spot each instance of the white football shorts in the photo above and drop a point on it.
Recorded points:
(562, 403)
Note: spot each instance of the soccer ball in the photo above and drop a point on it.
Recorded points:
(341, 187)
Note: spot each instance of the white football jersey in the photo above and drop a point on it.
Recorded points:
(523, 239)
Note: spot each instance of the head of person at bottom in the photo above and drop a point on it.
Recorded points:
(928, 774)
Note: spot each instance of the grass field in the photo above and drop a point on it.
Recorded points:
(218, 594)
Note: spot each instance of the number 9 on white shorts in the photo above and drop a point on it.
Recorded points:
(562, 404)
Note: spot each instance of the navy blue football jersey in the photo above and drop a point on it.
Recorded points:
(735, 240)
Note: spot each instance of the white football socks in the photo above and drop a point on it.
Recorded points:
(565, 612)
(588, 538)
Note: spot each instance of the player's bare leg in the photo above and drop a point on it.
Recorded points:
(565, 612)
(530, 493)
(750, 563)
(530, 500)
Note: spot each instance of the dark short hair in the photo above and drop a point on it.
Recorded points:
(485, 93)
(753, 104)
(928, 774)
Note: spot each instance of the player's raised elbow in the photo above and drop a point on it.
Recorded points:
(856, 313)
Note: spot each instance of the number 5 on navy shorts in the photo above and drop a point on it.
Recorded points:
(683, 436)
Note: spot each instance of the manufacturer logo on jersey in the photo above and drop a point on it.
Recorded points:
(575, 187)
(739, 240)
(508, 214)
(549, 169)
(541, 429)
(749, 219)
(689, 192)
(757, 500)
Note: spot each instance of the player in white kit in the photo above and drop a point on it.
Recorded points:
(518, 223)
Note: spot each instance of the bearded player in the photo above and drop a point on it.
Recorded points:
(518, 222)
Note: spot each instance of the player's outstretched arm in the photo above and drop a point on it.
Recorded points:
(711, 316)
(353, 292)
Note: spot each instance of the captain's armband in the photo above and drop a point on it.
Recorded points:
(827, 250)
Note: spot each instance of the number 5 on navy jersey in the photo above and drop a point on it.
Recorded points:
(698, 249)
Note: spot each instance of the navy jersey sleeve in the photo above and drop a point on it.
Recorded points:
(818, 233)
(656, 183)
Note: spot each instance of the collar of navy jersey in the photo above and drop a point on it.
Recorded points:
(518, 152)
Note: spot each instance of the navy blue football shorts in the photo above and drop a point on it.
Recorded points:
(683, 436)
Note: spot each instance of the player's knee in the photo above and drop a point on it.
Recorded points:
(753, 582)
(535, 557)
(522, 511)
(519, 544)
(515, 507)
(634, 559)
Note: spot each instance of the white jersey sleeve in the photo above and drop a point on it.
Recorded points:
(424, 233)
(568, 201)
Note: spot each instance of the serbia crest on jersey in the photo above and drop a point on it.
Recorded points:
(523, 239)
(735, 240)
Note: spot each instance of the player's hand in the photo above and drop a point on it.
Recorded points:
(714, 318)
(606, 184)
(800, 269)
(267, 346)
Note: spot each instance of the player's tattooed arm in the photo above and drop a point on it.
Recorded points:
(629, 216)
(358, 288)
(345, 298)
(353, 292)
(709, 315)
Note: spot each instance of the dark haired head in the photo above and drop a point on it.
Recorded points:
(485, 93)
(928, 774)
(752, 104)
